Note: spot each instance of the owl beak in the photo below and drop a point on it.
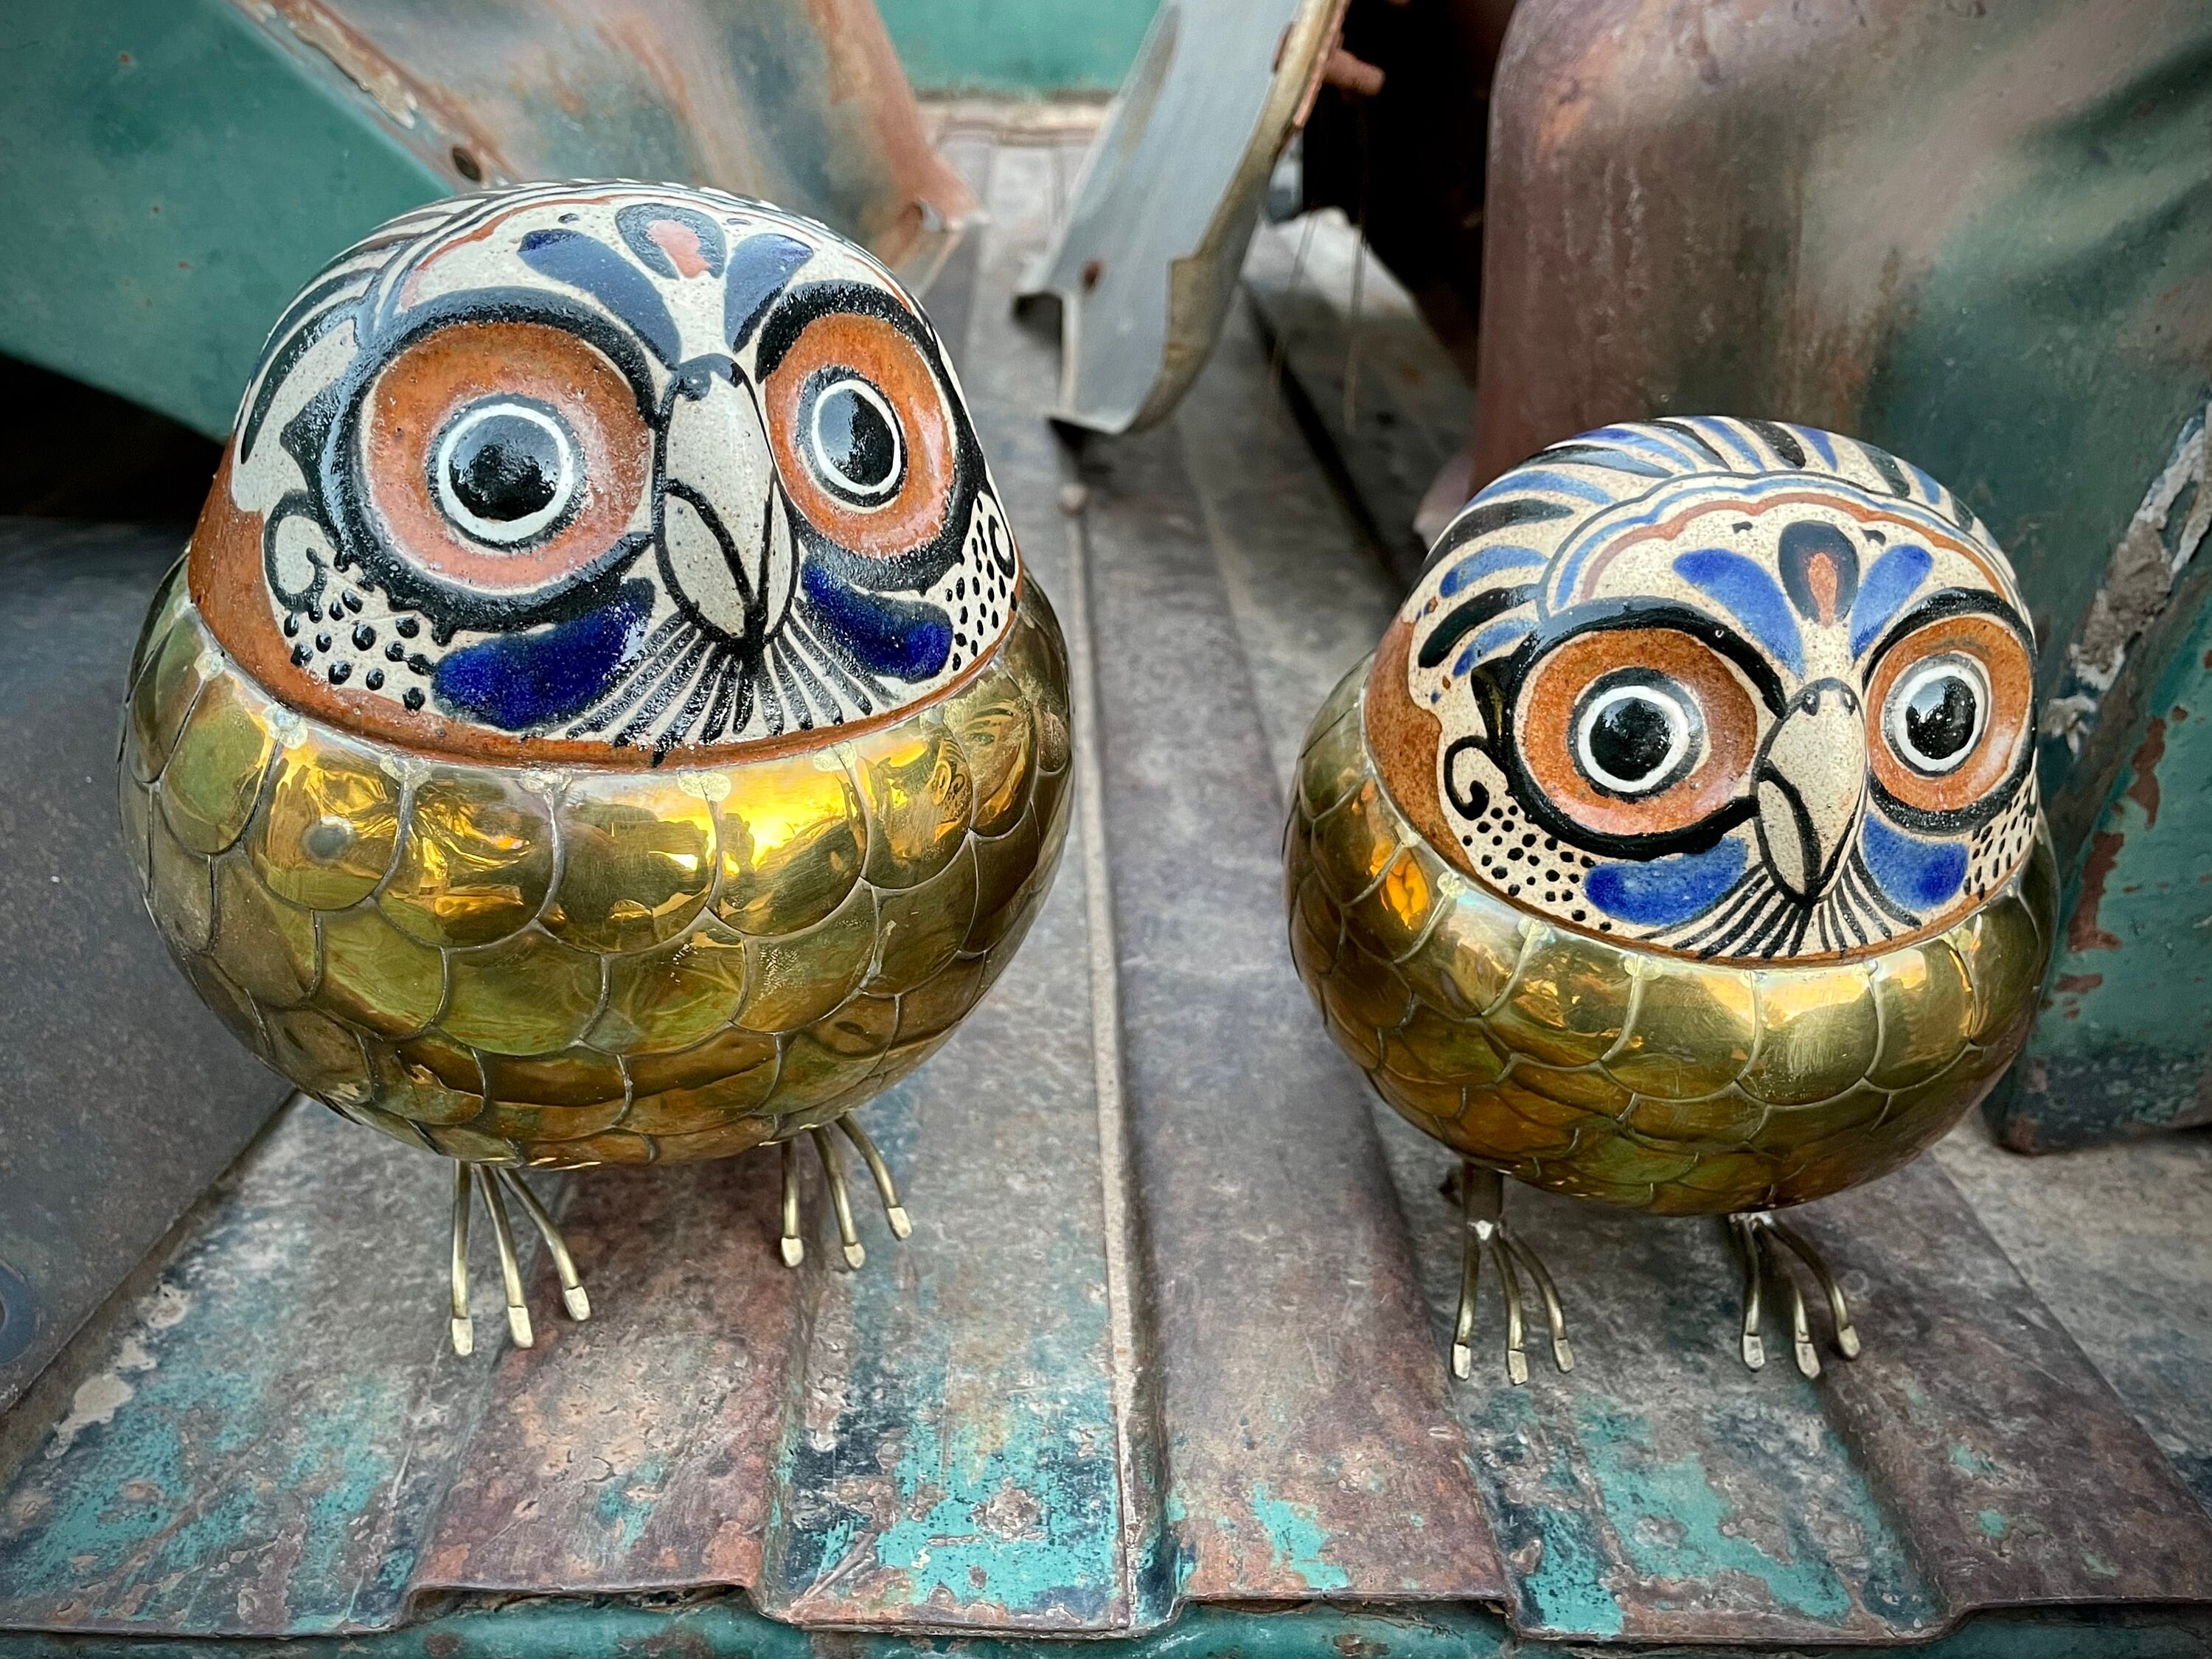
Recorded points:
(1810, 784)
(724, 529)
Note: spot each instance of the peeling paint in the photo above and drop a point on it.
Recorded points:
(2082, 930)
(1294, 1530)
(2139, 577)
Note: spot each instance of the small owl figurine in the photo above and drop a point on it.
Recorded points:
(1679, 847)
(601, 716)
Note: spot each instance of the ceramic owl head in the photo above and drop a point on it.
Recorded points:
(1679, 847)
(1744, 691)
(582, 467)
(602, 716)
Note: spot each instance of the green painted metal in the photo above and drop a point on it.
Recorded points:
(169, 177)
(2126, 1038)
(1017, 45)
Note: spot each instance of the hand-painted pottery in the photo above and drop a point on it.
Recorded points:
(602, 716)
(1679, 847)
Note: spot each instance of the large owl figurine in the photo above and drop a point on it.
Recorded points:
(601, 717)
(1679, 847)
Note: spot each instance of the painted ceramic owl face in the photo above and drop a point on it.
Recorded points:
(1743, 690)
(575, 468)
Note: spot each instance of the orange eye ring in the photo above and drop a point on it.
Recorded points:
(1709, 751)
(1991, 659)
(886, 372)
(435, 387)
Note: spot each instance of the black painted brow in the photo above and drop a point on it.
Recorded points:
(1952, 602)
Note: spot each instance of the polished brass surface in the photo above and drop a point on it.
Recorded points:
(564, 968)
(1626, 1076)
(1632, 1076)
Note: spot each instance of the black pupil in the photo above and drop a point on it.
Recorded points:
(1939, 717)
(506, 467)
(856, 440)
(1629, 738)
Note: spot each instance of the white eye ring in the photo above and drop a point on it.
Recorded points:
(505, 533)
(1679, 730)
(1950, 666)
(834, 475)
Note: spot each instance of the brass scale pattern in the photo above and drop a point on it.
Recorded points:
(1622, 1074)
(586, 966)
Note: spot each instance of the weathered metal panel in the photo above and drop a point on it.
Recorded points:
(264, 1445)
(800, 102)
(637, 1451)
(2126, 1044)
(120, 1097)
(176, 169)
(1307, 1445)
(170, 179)
(1145, 263)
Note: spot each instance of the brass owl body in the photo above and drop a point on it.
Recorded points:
(602, 716)
(1679, 847)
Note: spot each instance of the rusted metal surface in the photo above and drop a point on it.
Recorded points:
(801, 103)
(1308, 1444)
(92, 1170)
(637, 1451)
(2125, 1043)
(1166, 1334)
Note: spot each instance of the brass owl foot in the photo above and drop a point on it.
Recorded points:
(832, 1172)
(1483, 1193)
(493, 1180)
(1759, 1243)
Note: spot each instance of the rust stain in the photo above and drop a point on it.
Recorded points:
(2082, 933)
(406, 101)
(2144, 790)
(2074, 985)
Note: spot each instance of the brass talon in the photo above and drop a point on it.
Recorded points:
(510, 1265)
(894, 1212)
(463, 1329)
(564, 1265)
(841, 1200)
(492, 1180)
(1762, 1246)
(794, 1246)
(1482, 1192)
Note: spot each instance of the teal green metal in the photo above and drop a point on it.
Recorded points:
(170, 177)
(1022, 46)
(728, 1628)
(173, 172)
(2126, 1038)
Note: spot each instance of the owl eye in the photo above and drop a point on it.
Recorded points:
(498, 466)
(1634, 733)
(505, 471)
(1936, 712)
(1950, 712)
(860, 425)
(1631, 738)
(854, 442)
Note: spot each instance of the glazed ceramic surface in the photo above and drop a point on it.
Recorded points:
(602, 715)
(1679, 847)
